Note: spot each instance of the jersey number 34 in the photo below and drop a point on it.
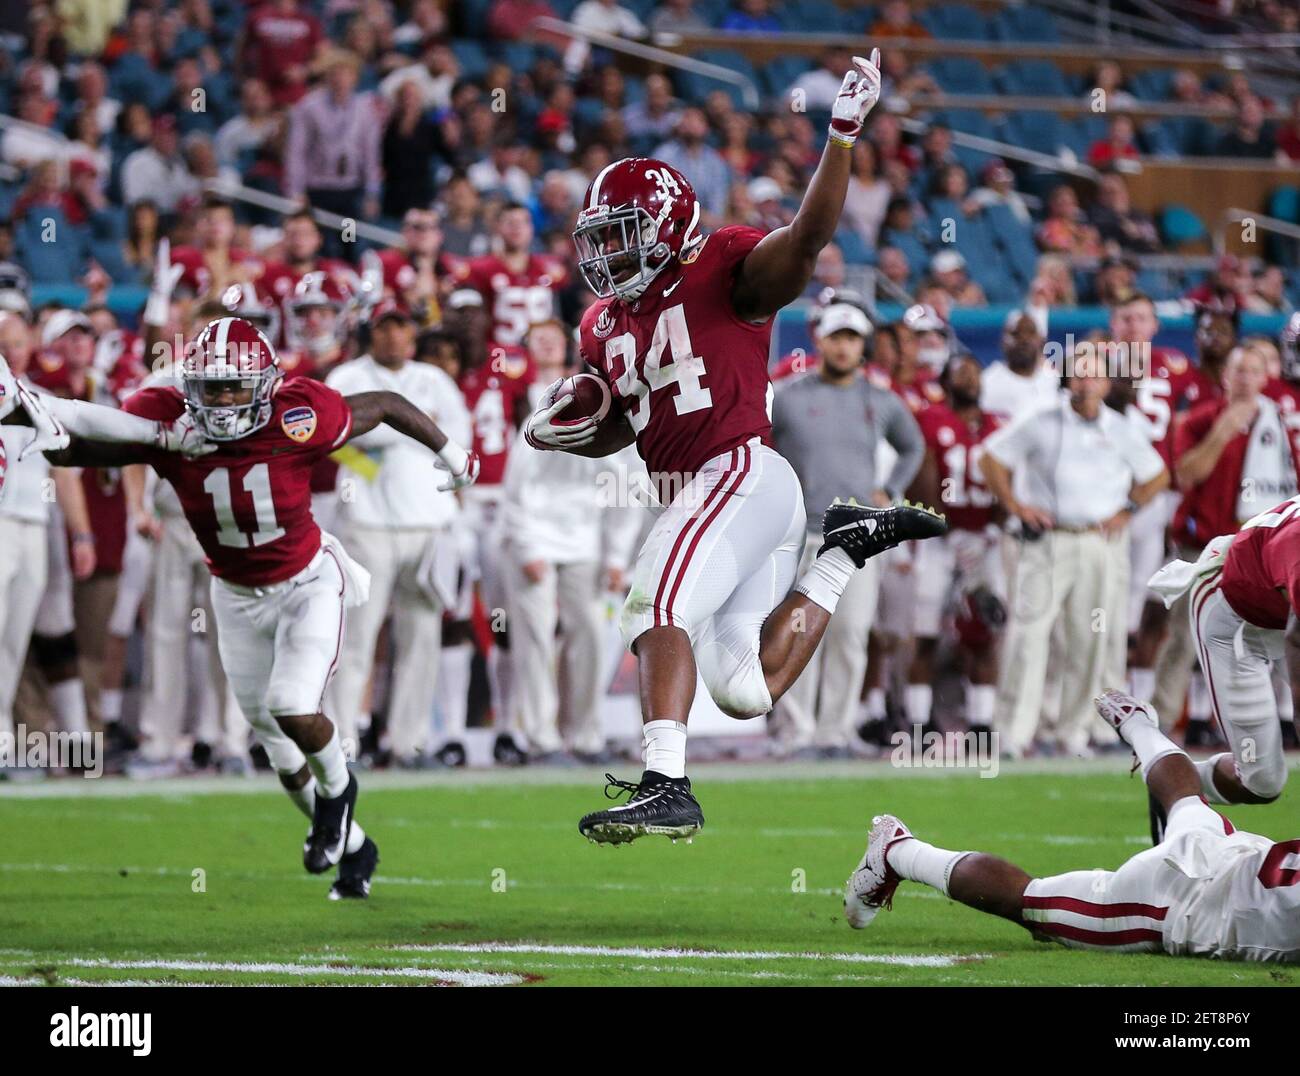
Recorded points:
(684, 369)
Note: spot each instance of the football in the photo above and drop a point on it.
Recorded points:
(591, 399)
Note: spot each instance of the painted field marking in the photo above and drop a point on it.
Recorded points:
(460, 978)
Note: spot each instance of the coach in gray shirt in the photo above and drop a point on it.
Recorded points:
(832, 424)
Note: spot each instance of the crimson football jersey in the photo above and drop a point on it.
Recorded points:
(492, 393)
(967, 502)
(689, 374)
(249, 502)
(1173, 384)
(1286, 394)
(922, 392)
(514, 301)
(1261, 575)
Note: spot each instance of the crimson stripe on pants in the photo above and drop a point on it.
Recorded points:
(1099, 937)
(1096, 911)
(681, 537)
(737, 478)
(1198, 607)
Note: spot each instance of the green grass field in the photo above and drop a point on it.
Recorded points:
(484, 880)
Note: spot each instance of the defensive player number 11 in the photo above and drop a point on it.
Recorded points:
(257, 483)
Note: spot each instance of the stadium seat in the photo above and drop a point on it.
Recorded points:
(814, 17)
(474, 15)
(854, 247)
(1284, 203)
(1154, 84)
(56, 262)
(1041, 78)
(1025, 23)
(698, 87)
(1015, 238)
(473, 59)
(955, 22)
(1041, 131)
(961, 74)
(107, 254)
(917, 256)
(778, 74)
(1179, 226)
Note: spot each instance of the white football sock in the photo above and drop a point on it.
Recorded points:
(305, 800)
(981, 700)
(454, 667)
(826, 578)
(110, 704)
(875, 704)
(1148, 743)
(1142, 683)
(665, 747)
(330, 767)
(920, 862)
(1205, 767)
(68, 698)
(917, 702)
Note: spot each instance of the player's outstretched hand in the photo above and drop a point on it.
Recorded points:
(543, 433)
(466, 475)
(858, 95)
(185, 437)
(48, 432)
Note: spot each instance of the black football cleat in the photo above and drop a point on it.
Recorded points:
(658, 805)
(864, 532)
(505, 752)
(330, 823)
(355, 869)
(451, 755)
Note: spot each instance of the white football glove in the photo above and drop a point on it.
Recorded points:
(461, 465)
(48, 434)
(184, 436)
(166, 276)
(858, 95)
(542, 433)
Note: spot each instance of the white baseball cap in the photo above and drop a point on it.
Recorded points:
(764, 189)
(843, 316)
(946, 261)
(464, 297)
(63, 321)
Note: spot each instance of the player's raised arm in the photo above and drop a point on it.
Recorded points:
(776, 271)
(370, 409)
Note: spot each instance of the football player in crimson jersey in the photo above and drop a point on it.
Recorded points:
(967, 558)
(1208, 890)
(1285, 390)
(214, 264)
(1244, 594)
(420, 275)
(280, 585)
(681, 334)
(519, 288)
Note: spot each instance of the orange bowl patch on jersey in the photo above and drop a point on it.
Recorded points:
(299, 423)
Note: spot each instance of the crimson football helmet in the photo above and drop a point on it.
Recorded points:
(317, 318)
(1290, 341)
(639, 214)
(229, 375)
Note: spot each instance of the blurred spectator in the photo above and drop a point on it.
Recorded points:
(280, 44)
(1110, 80)
(892, 264)
(35, 140)
(948, 271)
(143, 231)
(817, 89)
(411, 141)
(887, 136)
(699, 162)
(1268, 296)
(751, 17)
(92, 96)
(828, 271)
(1120, 143)
(1053, 283)
(510, 20)
(901, 79)
(332, 159)
(677, 17)
(999, 189)
(435, 75)
(1226, 287)
(1118, 222)
(767, 213)
(500, 173)
(599, 16)
(1249, 136)
(655, 116)
(1114, 281)
(1288, 134)
(86, 24)
(463, 230)
(868, 195)
(736, 150)
(88, 147)
(158, 170)
(248, 131)
(425, 19)
(895, 20)
(1065, 229)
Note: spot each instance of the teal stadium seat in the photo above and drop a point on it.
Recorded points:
(1179, 226)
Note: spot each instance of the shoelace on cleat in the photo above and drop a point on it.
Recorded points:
(632, 788)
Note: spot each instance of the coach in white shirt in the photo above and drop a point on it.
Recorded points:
(397, 523)
(566, 542)
(1079, 471)
(1021, 381)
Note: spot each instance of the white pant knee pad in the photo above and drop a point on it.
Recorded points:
(736, 684)
(1266, 777)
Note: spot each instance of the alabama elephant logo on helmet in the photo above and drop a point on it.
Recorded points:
(638, 215)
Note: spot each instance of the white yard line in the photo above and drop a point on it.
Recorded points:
(895, 959)
(460, 978)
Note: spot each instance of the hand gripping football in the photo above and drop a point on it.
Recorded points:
(591, 399)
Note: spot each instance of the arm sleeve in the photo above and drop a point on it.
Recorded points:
(98, 423)
(1143, 458)
(904, 434)
(1009, 444)
(1190, 431)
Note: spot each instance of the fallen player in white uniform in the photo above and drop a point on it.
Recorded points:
(1206, 890)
